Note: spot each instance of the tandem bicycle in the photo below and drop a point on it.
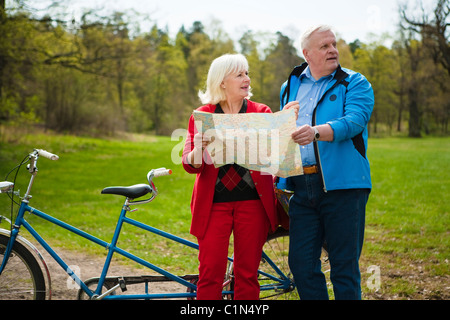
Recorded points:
(24, 273)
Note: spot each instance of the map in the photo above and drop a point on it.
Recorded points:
(256, 141)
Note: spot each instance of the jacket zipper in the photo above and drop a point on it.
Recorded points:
(316, 148)
(316, 144)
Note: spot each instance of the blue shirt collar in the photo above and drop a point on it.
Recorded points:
(307, 73)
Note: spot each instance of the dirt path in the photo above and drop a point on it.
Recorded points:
(88, 266)
(428, 287)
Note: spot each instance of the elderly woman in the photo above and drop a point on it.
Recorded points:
(230, 198)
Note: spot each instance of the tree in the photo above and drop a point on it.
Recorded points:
(401, 79)
(434, 32)
(100, 74)
(259, 69)
(282, 58)
(424, 38)
(20, 48)
(168, 83)
(377, 64)
(2, 56)
(345, 54)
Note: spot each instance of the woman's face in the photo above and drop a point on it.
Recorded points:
(237, 85)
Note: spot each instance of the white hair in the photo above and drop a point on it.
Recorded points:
(220, 68)
(306, 36)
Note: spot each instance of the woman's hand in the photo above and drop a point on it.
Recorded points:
(293, 105)
(200, 143)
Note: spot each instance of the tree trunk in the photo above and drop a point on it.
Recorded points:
(2, 58)
(414, 113)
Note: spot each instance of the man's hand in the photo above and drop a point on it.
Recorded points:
(305, 134)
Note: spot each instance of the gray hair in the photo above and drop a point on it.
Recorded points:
(220, 68)
(306, 36)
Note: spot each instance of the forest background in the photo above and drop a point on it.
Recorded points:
(104, 75)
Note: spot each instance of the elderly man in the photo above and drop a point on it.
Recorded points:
(329, 199)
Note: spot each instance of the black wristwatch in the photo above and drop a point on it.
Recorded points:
(316, 134)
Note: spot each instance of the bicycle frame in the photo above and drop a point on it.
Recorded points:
(112, 248)
(282, 282)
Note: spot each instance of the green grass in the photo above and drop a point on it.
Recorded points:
(69, 189)
(407, 223)
(409, 202)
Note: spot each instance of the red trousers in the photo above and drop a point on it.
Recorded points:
(249, 223)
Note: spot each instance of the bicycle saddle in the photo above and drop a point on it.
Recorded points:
(132, 192)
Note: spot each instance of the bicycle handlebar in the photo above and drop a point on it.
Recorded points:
(47, 154)
(161, 172)
(154, 173)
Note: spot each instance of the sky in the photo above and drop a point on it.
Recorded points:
(365, 20)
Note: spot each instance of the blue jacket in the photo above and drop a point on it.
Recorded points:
(346, 106)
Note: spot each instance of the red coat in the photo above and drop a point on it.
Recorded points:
(203, 193)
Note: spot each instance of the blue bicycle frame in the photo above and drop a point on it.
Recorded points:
(281, 281)
(112, 248)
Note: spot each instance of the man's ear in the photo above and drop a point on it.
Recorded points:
(305, 54)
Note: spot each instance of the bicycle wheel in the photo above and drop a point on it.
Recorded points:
(92, 285)
(22, 278)
(277, 249)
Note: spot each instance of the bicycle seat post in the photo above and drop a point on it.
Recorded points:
(127, 204)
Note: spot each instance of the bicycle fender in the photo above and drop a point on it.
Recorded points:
(37, 253)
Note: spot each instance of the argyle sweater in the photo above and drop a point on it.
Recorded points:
(234, 183)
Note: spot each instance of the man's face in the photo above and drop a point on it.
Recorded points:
(322, 54)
